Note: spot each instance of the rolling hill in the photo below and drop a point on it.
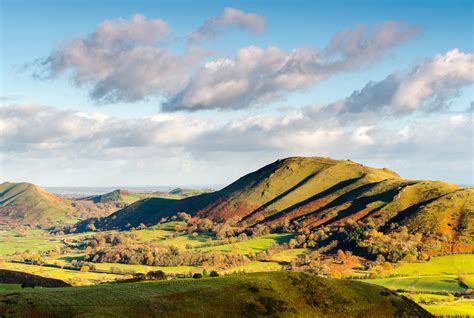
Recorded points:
(286, 294)
(25, 203)
(320, 193)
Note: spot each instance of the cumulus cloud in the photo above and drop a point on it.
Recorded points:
(261, 75)
(122, 62)
(230, 18)
(141, 147)
(126, 61)
(427, 87)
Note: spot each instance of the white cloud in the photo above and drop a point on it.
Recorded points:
(200, 150)
(122, 62)
(125, 60)
(427, 87)
(230, 18)
(261, 75)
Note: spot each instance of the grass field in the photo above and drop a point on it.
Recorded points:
(9, 286)
(437, 283)
(289, 255)
(254, 244)
(463, 308)
(284, 294)
(440, 265)
(438, 274)
(33, 240)
(70, 276)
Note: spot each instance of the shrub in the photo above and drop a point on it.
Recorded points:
(214, 274)
(158, 275)
(197, 275)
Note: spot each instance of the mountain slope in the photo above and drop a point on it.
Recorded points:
(278, 294)
(26, 203)
(324, 193)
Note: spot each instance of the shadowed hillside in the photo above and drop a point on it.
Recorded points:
(15, 277)
(251, 295)
(26, 203)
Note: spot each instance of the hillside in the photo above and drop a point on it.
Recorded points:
(324, 193)
(26, 203)
(15, 277)
(260, 294)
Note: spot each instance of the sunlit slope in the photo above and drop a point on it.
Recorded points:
(278, 294)
(322, 192)
(26, 203)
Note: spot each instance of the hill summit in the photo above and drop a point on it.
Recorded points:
(26, 203)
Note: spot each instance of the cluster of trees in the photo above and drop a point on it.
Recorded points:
(101, 240)
(150, 254)
(231, 228)
(396, 245)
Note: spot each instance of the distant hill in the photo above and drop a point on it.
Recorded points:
(185, 193)
(278, 294)
(113, 196)
(322, 192)
(26, 203)
(122, 195)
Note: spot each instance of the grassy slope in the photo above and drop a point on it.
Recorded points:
(282, 293)
(25, 203)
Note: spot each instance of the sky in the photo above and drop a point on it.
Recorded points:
(134, 93)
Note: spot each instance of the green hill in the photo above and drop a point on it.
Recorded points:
(184, 192)
(282, 294)
(324, 193)
(25, 203)
(121, 195)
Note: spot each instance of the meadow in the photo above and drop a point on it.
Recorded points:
(438, 275)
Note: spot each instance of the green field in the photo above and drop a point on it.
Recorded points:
(447, 283)
(440, 274)
(285, 294)
(461, 308)
(33, 240)
(440, 265)
(254, 244)
(72, 277)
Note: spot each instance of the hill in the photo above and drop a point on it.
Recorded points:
(14, 277)
(250, 295)
(184, 192)
(113, 196)
(323, 193)
(26, 203)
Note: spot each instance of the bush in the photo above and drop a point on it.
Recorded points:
(214, 274)
(197, 275)
(158, 275)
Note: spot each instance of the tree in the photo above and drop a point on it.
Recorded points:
(90, 227)
(341, 256)
(84, 268)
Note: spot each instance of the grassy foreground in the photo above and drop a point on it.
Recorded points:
(284, 294)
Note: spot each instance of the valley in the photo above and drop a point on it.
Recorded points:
(333, 219)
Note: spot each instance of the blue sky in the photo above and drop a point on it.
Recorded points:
(32, 31)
